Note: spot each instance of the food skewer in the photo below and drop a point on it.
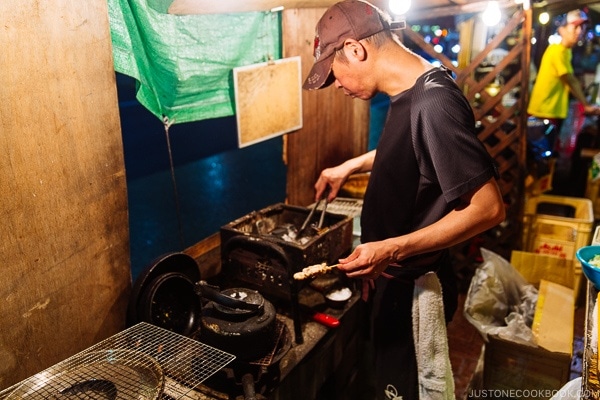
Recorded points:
(314, 270)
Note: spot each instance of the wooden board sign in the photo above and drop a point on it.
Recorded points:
(268, 100)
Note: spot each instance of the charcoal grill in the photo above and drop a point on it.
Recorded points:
(144, 362)
(257, 251)
(260, 252)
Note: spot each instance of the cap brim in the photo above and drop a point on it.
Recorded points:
(320, 75)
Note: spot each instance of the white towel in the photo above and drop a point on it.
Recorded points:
(436, 381)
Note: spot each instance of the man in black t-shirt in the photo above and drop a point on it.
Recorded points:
(432, 183)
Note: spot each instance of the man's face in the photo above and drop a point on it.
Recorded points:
(571, 34)
(351, 77)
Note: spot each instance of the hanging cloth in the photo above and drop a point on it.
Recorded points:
(436, 381)
(183, 64)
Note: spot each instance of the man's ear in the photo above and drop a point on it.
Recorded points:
(355, 49)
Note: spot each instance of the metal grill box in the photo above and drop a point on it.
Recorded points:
(254, 252)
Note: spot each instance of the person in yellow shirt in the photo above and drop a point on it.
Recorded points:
(555, 80)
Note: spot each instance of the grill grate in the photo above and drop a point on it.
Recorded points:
(346, 206)
(279, 344)
(343, 205)
(144, 362)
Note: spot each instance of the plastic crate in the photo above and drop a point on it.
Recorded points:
(558, 226)
(592, 190)
(536, 185)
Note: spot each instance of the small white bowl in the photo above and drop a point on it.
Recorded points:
(338, 297)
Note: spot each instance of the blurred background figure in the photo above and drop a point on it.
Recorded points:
(555, 81)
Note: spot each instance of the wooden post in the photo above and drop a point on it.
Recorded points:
(65, 246)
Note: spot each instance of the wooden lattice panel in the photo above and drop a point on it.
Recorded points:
(500, 127)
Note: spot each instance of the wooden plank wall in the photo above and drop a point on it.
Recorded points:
(335, 127)
(65, 246)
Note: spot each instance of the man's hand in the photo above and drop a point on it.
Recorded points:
(368, 260)
(332, 179)
(335, 177)
(591, 110)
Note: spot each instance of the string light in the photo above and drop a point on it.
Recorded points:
(491, 16)
(399, 7)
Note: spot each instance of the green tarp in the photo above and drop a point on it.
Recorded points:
(183, 65)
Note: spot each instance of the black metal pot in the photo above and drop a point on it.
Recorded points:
(170, 294)
(237, 320)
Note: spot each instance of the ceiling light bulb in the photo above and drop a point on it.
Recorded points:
(491, 16)
(399, 7)
(544, 18)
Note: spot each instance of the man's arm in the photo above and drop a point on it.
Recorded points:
(480, 210)
(577, 91)
(335, 177)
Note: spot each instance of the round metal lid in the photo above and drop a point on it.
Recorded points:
(164, 295)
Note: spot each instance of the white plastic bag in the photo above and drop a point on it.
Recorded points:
(500, 301)
(570, 391)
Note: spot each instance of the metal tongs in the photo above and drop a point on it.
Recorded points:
(312, 212)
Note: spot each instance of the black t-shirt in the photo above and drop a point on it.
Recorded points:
(427, 157)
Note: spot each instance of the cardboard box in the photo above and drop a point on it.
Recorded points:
(554, 318)
(526, 372)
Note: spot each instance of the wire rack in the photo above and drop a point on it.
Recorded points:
(144, 362)
(344, 205)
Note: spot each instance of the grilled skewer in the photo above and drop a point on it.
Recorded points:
(314, 270)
